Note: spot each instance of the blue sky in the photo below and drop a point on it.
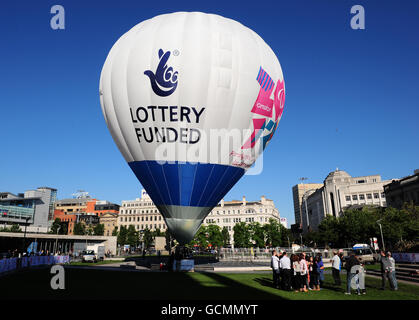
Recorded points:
(351, 102)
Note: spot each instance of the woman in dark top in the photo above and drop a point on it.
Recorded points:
(314, 274)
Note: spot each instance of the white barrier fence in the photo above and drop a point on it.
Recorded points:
(406, 257)
(11, 264)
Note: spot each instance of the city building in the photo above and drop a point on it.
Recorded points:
(284, 222)
(404, 190)
(110, 221)
(228, 213)
(298, 191)
(32, 209)
(83, 209)
(142, 213)
(341, 191)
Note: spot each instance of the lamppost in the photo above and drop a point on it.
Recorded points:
(24, 235)
(305, 195)
(381, 231)
(289, 246)
(56, 240)
(302, 198)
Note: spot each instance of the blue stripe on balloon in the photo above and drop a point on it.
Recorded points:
(263, 77)
(260, 71)
(186, 184)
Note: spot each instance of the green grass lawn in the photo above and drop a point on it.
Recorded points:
(107, 284)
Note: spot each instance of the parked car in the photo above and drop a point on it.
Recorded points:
(88, 256)
(364, 253)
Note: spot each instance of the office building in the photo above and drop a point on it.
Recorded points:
(32, 209)
(340, 191)
(404, 190)
(298, 191)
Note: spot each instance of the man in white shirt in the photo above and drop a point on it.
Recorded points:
(275, 268)
(336, 268)
(285, 267)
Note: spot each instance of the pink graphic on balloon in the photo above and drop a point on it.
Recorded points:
(279, 97)
(264, 104)
(259, 126)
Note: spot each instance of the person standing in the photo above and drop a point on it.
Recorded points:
(303, 273)
(280, 275)
(315, 274)
(392, 271)
(352, 261)
(320, 270)
(385, 269)
(297, 276)
(285, 266)
(275, 268)
(336, 268)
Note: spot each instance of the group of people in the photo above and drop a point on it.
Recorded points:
(354, 267)
(298, 272)
(301, 272)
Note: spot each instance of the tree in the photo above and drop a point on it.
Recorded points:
(148, 238)
(133, 236)
(122, 236)
(58, 225)
(99, 229)
(169, 241)
(201, 237)
(273, 233)
(329, 232)
(55, 225)
(215, 237)
(226, 236)
(257, 234)
(284, 234)
(115, 231)
(79, 229)
(241, 235)
(15, 228)
(158, 233)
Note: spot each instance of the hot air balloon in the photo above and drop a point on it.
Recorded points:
(174, 90)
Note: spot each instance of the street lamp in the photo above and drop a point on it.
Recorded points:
(24, 235)
(381, 231)
(302, 179)
(56, 240)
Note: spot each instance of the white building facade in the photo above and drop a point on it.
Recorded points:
(341, 191)
(228, 213)
(142, 214)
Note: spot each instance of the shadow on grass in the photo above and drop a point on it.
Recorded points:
(242, 291)
(82, 283)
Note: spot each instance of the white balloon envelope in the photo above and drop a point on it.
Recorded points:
(191, 100)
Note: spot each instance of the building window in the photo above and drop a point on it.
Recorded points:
(383, 195)
(375, 195)
(354, 197)
(369, 196)
(361, 197)
(348, 198)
